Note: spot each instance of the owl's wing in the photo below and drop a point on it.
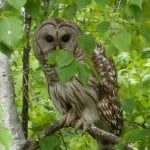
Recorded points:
(108, 103)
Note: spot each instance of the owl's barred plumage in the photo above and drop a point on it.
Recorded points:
(94, 103)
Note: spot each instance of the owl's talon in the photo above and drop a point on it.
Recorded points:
(69, 118)
(63, 120)
(82, 124)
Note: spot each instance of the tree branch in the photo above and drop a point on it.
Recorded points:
(92, 130)
(26, 75)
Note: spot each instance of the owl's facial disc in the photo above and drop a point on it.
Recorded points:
(53, 34)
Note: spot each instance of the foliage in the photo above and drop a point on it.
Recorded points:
(66, 63)
(123, 26)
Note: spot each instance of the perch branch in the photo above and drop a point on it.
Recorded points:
(92, 130)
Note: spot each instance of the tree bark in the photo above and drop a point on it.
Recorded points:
(25, 83)
(10, 118)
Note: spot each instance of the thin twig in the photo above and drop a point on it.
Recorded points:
(26, 75)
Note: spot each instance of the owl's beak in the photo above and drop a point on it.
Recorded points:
(58, 47)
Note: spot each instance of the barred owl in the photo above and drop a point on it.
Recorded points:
(92, 103)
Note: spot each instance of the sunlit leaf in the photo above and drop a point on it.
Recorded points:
(40, 117)
(18, 4)
(87, 42)
(122, 41)
(139, 119)
(5, 137)
(11, 30)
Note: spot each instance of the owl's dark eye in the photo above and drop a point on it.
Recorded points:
(49, 38)
(65, 38)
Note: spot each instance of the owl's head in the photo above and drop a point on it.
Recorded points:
(55, 33)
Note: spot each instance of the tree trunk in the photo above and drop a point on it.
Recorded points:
(10, 118)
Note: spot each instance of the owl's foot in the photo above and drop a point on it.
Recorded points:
(69, 118)
(82, 124)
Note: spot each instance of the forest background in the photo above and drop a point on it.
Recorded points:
(122, 26)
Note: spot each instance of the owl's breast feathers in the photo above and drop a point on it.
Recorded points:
(74, 94)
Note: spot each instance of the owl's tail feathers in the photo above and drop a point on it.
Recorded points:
(105, 145)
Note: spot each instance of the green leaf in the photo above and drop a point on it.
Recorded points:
(33, 8)
(145, 10)
(67, 72)
(40, 117)
(128, 105)
(18, 4)
(70, 11)
(11, 30)
(5, 137)
(139, 119)
(50, 143)
(122, 41)
(145, 29)
(110, 51)
(60, 57)
(64, 58)
(84, 73)
(87, 42)
(136, 134)
(137, 3)
(134, 12)
(103, 26)
(52, 57)
(82, 3)
(5, 49)
(103, 2)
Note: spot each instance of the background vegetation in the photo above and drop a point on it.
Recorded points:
(123, 26)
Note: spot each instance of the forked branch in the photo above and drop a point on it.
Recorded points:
(92, 130)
